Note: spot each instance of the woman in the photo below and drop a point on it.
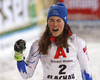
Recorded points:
(58, 49)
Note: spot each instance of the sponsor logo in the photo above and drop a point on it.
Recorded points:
(55, 12)
(60, 52)
(64, 77)
(61, 61)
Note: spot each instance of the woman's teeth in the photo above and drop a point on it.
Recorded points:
(55, 29)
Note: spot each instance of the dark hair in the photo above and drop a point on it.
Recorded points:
(61, 40)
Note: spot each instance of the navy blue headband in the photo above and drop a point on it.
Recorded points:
(58, 10)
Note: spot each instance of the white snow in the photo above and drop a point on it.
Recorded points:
(8, 67)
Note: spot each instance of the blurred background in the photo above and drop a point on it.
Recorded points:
(26, 19)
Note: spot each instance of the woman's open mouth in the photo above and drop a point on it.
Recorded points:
(55, 30)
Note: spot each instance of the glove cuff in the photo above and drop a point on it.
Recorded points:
(18, 56)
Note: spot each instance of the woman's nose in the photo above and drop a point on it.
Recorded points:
(55, 23)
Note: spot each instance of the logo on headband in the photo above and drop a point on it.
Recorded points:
(55, 12)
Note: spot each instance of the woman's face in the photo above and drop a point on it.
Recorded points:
(56, 25)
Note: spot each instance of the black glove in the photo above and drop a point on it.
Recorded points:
(20, 45)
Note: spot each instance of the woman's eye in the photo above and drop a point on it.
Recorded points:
(58, 20)
(51, 20)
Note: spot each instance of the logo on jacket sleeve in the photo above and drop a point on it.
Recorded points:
(85, 51)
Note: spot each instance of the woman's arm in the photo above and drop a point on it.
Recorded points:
(84, 60)
(27, 68)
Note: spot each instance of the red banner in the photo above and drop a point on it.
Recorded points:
(82, 9)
